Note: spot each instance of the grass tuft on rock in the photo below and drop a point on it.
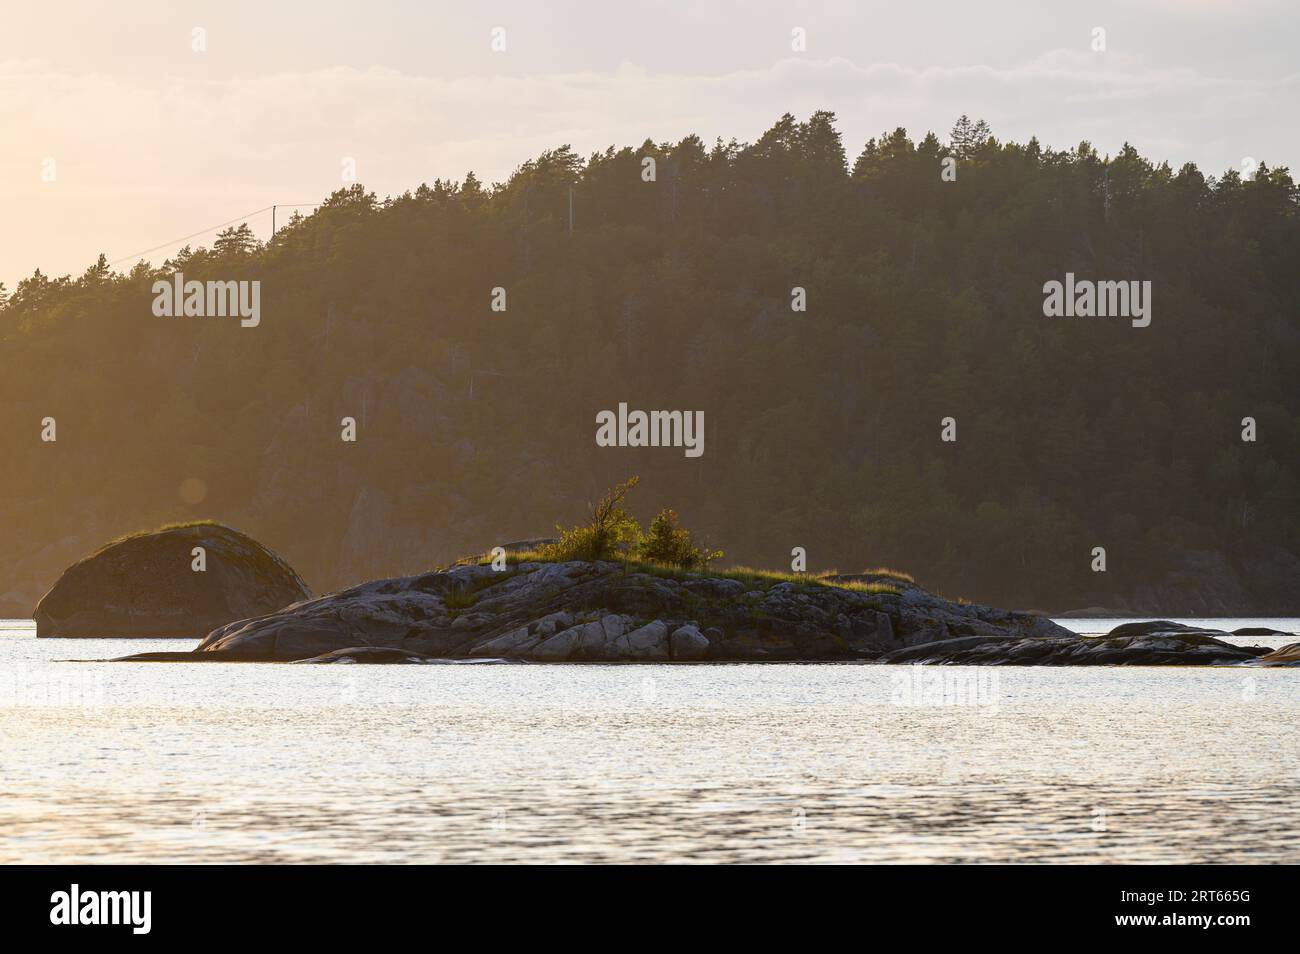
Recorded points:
(672, 552)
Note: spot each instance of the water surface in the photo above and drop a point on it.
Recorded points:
(228, 762)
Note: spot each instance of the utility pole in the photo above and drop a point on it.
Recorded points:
(570, 210)
(272, 221)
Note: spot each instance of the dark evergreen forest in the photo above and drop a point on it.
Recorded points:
(924, 301)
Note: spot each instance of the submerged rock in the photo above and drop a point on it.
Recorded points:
(1259, 631)
(147, 585)
(1155, 643)
(377, 655)
(1162, 627)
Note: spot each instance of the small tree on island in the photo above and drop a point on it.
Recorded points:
(670, 544)
(614, 534)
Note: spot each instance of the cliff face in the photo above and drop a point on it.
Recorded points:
(1261, 581)
(154, 584)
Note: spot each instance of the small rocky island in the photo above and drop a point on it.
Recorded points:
(606, 591)
(182, 581)
(606, 611)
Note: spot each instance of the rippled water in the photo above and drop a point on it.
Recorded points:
(245, 762)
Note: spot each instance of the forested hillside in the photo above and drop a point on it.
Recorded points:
(924, 301)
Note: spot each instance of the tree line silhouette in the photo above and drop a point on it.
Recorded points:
(924, 300)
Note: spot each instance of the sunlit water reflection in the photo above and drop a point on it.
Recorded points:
(223, 762)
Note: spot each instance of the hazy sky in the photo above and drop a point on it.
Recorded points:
(152, 140)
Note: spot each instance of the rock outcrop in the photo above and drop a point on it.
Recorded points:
(378, 655)
(147, 585)
(599, 612)
(1158, 643)
(602, 612)
(1288, 655)
(1260, 631)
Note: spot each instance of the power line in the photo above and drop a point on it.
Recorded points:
(212, 228)
(184, 238)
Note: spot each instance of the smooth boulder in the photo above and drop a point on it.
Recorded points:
(147, 585)
(1288, 655)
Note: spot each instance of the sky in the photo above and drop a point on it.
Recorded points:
(118, 134)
